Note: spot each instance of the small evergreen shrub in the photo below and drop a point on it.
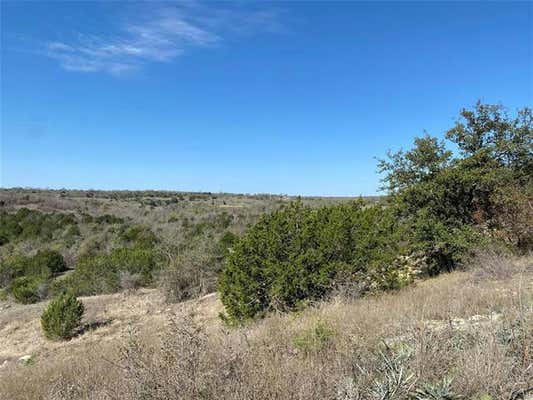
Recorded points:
(43, 265)
(137, 260)
(91, 276)
(28, 278)
(62, 317)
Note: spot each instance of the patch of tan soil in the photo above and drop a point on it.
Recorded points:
(107, 318)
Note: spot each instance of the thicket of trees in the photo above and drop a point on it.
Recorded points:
(27, 278)
(31, 278)
(106, 253)
(26, 223)
(444, 200)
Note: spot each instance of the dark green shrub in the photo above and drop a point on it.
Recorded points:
(225, 244)
(443, 247)
(27, 290)
(42, 265)
(292, 256)
(137, 260)
(10, 228)
(49, 259)
(91, 276)
(62, 317)
(139, 235)
(108, 219)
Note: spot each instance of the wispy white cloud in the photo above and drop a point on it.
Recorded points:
(160, 37)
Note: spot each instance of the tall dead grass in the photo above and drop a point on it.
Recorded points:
(463, 334)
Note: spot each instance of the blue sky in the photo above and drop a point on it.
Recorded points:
(248, 97)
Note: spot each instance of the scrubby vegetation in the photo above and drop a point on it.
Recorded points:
(300, 254)
(29, 224)
(113, 241)
(465, 335)
(27, 278)
(91, 243)
(445, 199)
(62, 317)
(107, 273)
(441, 206)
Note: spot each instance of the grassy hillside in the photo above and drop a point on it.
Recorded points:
(467, 333)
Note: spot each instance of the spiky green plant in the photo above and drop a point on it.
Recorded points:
(440, 390)
(396, 381)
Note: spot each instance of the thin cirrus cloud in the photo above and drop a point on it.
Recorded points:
(162, 38)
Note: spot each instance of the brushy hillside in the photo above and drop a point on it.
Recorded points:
(113, 241)
(468, 333)
(79, 222)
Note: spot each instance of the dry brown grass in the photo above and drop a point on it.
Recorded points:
(475, 329)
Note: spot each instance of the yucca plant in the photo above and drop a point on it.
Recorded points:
(437, 391)
(396, 380)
